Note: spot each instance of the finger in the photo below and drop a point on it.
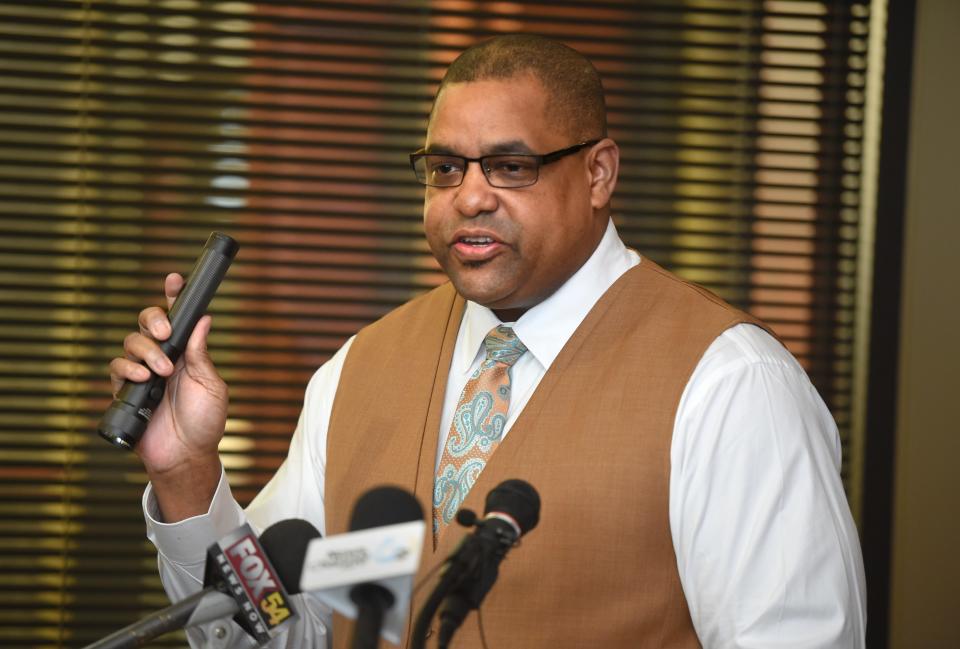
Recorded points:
(195, 354)
(154, 323)
(124, 369)
(172, 285)
(139, 347)
(199, 365)
(196, 350)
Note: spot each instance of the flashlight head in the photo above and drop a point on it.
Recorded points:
(122, 425)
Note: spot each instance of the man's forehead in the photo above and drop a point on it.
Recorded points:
(490, 116)
(520, 96)
(489, 87)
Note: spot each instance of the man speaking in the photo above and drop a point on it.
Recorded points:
(688, 470)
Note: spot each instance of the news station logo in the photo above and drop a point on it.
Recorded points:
(248, 577)
(388, 550)
(259, 581)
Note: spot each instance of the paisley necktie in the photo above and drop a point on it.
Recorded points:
(477, 425)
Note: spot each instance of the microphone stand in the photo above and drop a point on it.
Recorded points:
(372, 603)
(172, 618)
(460, 565)
(512, 509)
(450, 579)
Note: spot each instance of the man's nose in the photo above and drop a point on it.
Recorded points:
(475, 195)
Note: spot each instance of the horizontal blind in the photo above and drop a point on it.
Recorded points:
(130, 129)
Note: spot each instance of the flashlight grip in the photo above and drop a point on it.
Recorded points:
(193, 300)
(125, 421)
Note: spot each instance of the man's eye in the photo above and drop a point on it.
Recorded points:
(512, 166)
(444, 167)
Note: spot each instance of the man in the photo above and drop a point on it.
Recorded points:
(688, 470)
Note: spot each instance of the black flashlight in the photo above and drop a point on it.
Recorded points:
(127, 417)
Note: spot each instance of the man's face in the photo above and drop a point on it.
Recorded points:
(508, 249)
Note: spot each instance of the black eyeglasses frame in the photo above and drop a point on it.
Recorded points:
(541, 159)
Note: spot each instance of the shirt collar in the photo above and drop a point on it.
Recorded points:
(545, 328)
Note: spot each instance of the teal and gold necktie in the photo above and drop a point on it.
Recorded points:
(477, 425)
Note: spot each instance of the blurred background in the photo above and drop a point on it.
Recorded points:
(798, 158)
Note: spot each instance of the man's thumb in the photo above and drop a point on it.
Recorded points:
(195, 353)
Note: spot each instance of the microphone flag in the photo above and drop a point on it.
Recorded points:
(388, 555)
(238, 564)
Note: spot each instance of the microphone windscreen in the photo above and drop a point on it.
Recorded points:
(384, 506)
(519, 500)
(285, 544)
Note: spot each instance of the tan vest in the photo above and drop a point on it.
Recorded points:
(594, 439)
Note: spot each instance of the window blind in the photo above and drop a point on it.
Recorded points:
(130, 129)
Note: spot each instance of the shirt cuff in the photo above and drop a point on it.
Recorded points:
(186, 542)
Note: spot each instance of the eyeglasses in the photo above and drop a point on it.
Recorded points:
(504, 170)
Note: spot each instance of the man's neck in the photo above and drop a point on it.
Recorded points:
(509, 315)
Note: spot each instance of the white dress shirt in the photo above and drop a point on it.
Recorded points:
(766, 548)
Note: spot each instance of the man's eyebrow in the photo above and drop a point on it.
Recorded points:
(439, 148)
(508, 146)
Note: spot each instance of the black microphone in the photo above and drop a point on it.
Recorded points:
(245, 577)
(511, 510)
(127, 417)
(378, 507)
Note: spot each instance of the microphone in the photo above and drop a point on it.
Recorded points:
(127, 417)
(239, 579)
(367, 573)
(511, 510)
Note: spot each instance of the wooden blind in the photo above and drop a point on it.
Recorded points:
(130, 129)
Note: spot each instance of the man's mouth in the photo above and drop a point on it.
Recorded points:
(476, 241)
(476, 248)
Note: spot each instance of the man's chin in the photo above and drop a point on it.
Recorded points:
(488, 294)
(493, 285)
(505, 308)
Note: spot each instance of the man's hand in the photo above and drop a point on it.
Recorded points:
(179, 447)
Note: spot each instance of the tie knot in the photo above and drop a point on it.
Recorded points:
(503, 346)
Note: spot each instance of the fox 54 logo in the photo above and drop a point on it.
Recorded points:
(255, 576)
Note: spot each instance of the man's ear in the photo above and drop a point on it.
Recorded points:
(603, 164)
